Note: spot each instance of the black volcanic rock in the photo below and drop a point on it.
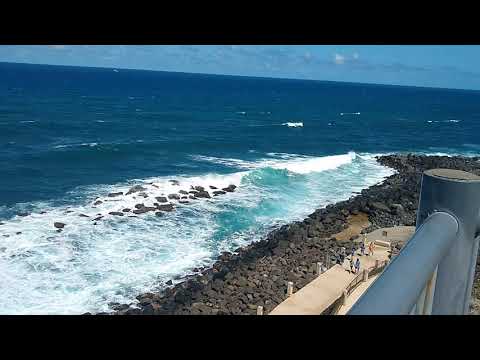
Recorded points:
(134, 189)
(257, 274)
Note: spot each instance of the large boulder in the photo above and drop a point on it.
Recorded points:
(379, 206)
(229, 188)
(165, 207)
(116, 213)
(203, 194)
(59, 225)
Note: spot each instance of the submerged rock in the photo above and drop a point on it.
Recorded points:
(175, 182)
(134, 189)
(98, 202)
(126, 210)
(115, 194)
(218, 192)
(116, 213)
(83, 215)
(213, 187)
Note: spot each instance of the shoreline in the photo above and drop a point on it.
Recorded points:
(257, 274)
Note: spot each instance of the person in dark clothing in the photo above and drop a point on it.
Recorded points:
(357, 265)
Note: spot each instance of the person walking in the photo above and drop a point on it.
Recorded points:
(357, 265)
(352, 265)
(362, 248)
(371, 248)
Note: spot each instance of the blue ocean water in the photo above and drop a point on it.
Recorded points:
(70, 135)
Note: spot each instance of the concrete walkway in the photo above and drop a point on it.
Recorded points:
(319, 294)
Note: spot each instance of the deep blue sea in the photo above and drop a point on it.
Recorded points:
(70, 135)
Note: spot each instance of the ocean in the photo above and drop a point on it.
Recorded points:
(69, 136)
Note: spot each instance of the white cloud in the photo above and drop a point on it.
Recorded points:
(339, 59)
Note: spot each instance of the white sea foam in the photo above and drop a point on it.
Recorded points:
(293, 124)
(351, 113)
(86, 266)
(295, 163)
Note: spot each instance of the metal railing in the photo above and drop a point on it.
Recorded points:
(433, 273)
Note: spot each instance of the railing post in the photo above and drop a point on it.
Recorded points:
(458, 193)
(365, 275)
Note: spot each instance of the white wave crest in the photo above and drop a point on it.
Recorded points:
(293, 124)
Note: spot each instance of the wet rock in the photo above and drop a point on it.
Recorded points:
(144, 210)
(203, 194)
(98, 202)
(97, 218)
(83, 215)
(213, 187)
(139, 206)
(126, 210)
(115, 194)
(116, 213)
(174, 182)
(161, 199)
(183, 192)
(229, 188)
(59, 225)
(169, 282)
(174, 196)
(218, 192)
(159, 214)
(183, 202)
(165, 207)
(199, 188)
(23, 214)
(18, 232)
(69, 211)
(134, 189)
(192, 197)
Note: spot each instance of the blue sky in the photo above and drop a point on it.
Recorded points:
(445, 66)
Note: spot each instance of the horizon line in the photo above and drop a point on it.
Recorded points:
(235, 75)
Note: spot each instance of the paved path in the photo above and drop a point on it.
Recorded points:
(320, 293)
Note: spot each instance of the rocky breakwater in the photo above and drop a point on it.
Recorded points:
(258, 274)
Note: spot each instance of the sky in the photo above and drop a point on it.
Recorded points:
(445, 66)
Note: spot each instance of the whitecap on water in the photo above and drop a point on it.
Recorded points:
(86, 266)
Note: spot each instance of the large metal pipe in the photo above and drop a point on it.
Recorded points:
(458, 193)
(396, 291)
